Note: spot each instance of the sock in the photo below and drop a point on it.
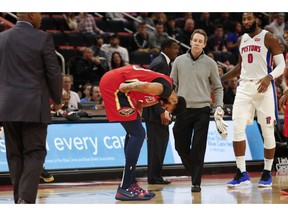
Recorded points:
(241, 163)
(268, 164)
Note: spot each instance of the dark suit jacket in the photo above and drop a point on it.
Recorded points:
(159, 64)
(30, 74)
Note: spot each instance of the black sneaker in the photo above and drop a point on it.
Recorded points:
(46, 176)
(196, 188)
(131, 194)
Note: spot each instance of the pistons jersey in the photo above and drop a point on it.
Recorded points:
(256, 58)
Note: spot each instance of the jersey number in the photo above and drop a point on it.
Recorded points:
(250, 58)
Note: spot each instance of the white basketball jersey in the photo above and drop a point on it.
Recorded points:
(256, 58)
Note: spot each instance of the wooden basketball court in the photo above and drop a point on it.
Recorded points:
(214, 191)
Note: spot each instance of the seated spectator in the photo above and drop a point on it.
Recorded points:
(116, 61)
(159, 36)
(74, 98)
(231, 39)
(88, 69)
(87, 24)
(277, 27)
(86, 92)
(171, 28)
(230, 90)
(159, 17)
(69, 22)
(217, 44)
(117, 16)
(114, 46)
(142, 40)
(185, 33)
(96, 96)
(98, 52)
(143, 17)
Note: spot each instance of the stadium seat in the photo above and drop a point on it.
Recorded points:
(75, 39)
(58, 37)
(67, 51)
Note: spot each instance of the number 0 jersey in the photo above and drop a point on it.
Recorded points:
(256, 58)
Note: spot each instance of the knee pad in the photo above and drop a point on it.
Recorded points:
(268, 136)
(239, 126)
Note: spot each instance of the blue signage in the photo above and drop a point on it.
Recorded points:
(99, 145)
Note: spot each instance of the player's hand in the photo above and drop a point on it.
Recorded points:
(164, 119)
(220, 123)
(264, 84)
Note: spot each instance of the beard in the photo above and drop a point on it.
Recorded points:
(251, 29)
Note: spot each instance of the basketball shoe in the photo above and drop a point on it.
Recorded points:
(131, 194)
(266, 179)
(240, 179)
(137, 187)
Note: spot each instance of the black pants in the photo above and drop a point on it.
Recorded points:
(190, 133)
(26, 151)
(158, 136)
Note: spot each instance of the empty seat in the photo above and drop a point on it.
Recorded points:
(89, 39)
(75, 39)
(47, 23)
(67, 51)
(116, 26)
(58, 37)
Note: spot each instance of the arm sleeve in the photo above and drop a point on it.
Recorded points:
(280, 66)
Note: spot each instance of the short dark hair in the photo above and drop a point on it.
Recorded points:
(167, 43)
(180, 106)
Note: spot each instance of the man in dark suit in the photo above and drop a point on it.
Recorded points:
(29, 72)
(156, 124)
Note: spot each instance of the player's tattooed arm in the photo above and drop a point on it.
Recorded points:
(144, 87)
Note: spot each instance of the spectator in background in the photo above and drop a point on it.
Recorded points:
(231, 39)
(98, 52)
(96, 96)
(180, 21)
(217, 44)
(86, 92)
(116, 60)
(114, 46)
(171, 28)
(205, 23)
(88, 69)
(159, 17)
(185, 34)
(230, 90)
(69, 22)
(142, 42)
(74, 98)
(159, 36)
(144, 18)
(277, 27)
(117, 16)
(87, 24)
(226, 21)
